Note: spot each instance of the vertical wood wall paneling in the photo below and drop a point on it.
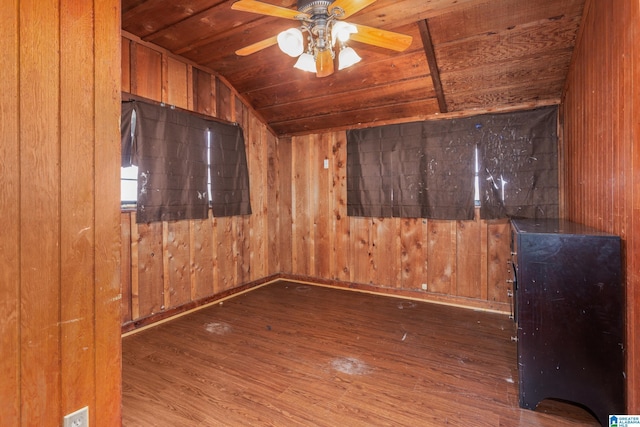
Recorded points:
(177, 83)
(202, 245)
(203, 92)
(313, 182)
(361, 262)
(176, 250)
(299, 216)
(468, 259)
(498, 243)
(384, 247)
(226, 227)
(175, 263)
(301, 228)
(458, 260)
(175, 234)
(441, 256)
(202, 241)
(285, 207)
(125, 267)
(77, 180)
(150, 283)
(632, 202)
(59, 254)
(259, 227)
(246, 222)
(10, 217)
(323, 236)
(108, 384)
(40, 210)
(125, 59)
(602, 147)
(413, 252)
(135, 268)
(146, 78)
(340, 222)
(272, 205)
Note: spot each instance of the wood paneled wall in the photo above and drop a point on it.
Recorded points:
(461, 262)
(299, 227)
(173, 264)
(59, 251)
(602, 152)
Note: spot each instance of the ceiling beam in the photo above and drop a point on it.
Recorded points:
(423, 25)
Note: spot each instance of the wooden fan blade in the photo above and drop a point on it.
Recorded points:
(257, 46)
(266, 9)
(381, 38)
(350, 6)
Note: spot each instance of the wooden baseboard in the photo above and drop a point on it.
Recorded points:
(155, 319)
(469, 303)
(164, 316)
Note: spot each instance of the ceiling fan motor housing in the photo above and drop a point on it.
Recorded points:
(313, 6)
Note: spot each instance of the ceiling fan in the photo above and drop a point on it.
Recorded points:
(322, 21)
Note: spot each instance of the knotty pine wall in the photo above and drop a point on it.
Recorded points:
(170, 266)
(299, 228)
(59, 209)
(461, 262)
(601, 111)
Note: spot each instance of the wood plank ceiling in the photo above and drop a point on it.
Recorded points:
(484, 55)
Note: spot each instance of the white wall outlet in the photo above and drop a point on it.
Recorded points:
(326, 163)
(424, 286)
(79, 418)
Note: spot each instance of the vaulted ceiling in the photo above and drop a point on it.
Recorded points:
(466, 55)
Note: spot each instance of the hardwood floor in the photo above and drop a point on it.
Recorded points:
(290, 354)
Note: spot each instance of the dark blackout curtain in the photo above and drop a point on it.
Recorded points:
(169, 148)
(370, 160)
(229, 173)
(411, 170)
(518, 164)
(427, 169)
(448, 166)
(125, 132)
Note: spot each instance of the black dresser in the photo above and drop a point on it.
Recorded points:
(569, 309)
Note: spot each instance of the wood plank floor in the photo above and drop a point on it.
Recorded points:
(290, 354)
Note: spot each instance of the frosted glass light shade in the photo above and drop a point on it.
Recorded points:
(291, 42)
(306, 63)
(347, 58)
(342, 31)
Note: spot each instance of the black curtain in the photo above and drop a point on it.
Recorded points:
(411, 170)
(449, 170)
(169, 148)
(427, 169)
(229, 172)
(518, 164)
(126, 119)
(370, 160)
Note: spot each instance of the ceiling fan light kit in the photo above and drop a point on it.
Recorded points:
(322, 21)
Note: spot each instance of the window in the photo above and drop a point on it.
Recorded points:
(129, 185)
(128, 172)
(209, 166)
(476, 179)
(176, 164)
(505, 163)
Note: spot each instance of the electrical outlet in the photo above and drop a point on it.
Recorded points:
(80, 418)
(424, 286)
